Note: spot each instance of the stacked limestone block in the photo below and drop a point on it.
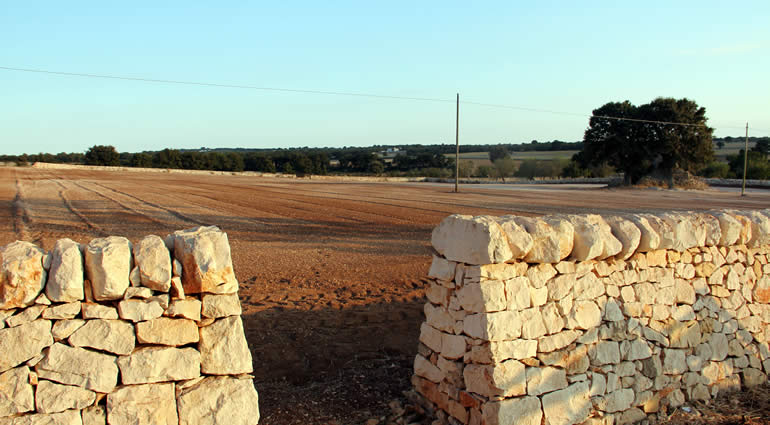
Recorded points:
(121, 333)
(586, 319)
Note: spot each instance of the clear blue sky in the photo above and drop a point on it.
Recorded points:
(563, 56)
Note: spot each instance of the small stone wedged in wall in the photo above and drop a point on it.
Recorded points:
(105, 333)
(679, 313)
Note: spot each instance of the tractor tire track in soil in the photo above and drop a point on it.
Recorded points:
(176, 214)
(20, 213)
(98, 231)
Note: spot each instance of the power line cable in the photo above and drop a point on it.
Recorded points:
(353, 94)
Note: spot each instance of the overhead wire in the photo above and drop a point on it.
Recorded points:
(353, 94)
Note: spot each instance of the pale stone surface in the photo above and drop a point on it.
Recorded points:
(497, 351)
(476, 297)
(95, 415)
(549, 244)
(541, 380)
(219, 401)
(177, 289)
(206, 263)
(685, 234)
(586, 315)
(154, 262)
(65, 278)
(22, 276)
(498, 326)
(25, 316)
(441, 269)
(223, 348)
(627, 233)
(108, 263)
(557, 341)
(62, 311)
(520, 411)
(140, 310)
(452, 346)
(150, 404)
(159, 364)
(507, 379)
(16, 394)
(140, 292)
(69, 417)
(62, 329)
(51, 397)
(77, 366)
(24, 342)
(423, 367)
(114, 336)
(593, 238)
(98, 311)
(167, 331)
(518, 294)
(760, 228)
(568, 406)
(649, 240)
(519, 241)
(618, 401)
(533, 326)
(663, 229)
(605, 352)
(216, 306)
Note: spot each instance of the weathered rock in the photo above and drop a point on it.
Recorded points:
(552, 238)
(177, 289)
(568, 406)
(140, 310)
(154, 262)
(625, 231)
(618, 401)
(159, 364)
(167, 331)
(25, 316)
(498, 326)
(150, 404)
(16, 394)
(115, 336)
(69, 417)
(206, 263)
(140, 292)
(541, 380)
(216, 306)
(423, 367)
(51, 397)
(78, 366)
(471, 240)
(477, 297)
(223, 348)
(219, 401)
(585, 315)
(108, 263)
(498, 351)
(95, 415)
(62, 329)
(98, 311)
(649, 239)
(685, 234)
(557, 341)
(189, 308)
(65, 278)
(519, 241)
(503, 379)
(760, 228)
(62, 311)
(520, 411)
(24, 342)
(22, 275)
(592, 238)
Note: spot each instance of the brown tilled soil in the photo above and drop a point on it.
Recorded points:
(332, 272)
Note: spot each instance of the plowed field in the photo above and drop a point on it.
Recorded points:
(332, 273)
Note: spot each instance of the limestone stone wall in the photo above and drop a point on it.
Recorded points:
(121, 333)
(586, 319)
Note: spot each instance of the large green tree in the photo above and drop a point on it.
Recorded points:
(663, 135)
(102, 155)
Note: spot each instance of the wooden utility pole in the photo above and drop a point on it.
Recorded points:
(745, 160)
(457, 146)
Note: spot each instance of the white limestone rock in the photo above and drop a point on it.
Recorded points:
(649, 240)
(150, 404)
(593, 238)
(498, 326)
(519, 411)
(62, 329)
(541, 380)
(108, 263)
(552, 238)
(424, 368)
(16, 393)
(159, 364)
(140, 310)
(760, 228)
(188, 308)
(69, 417)
(711, 227)
(98, 311)
(442, 269)
(94, 415)
(65, 278)
(223, 348)
(51, 397)
(154, 262)
(21, 343)
(477, 297)
(62, 311)
(114, 336)
(506, 379)
(498, 351)
(80, 367)
(519, 240)
(22, 276)
(25, 316)
(204, 253)
(471, 240)
(568, 406)
(625, 231)
(167, 331)
(217, 306)
(218, 401)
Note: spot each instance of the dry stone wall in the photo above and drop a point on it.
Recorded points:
(575, 319)
(118, 333)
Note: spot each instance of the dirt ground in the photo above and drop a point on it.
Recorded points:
(332, 273)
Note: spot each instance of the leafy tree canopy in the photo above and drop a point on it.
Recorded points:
(102, 155)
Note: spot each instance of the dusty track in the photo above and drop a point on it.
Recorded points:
(332, 272)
